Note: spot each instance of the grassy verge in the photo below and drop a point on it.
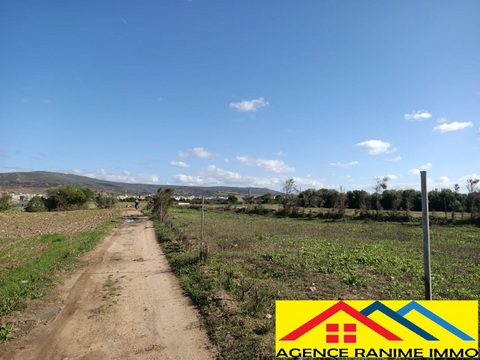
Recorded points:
(30, 267)
(254, 260)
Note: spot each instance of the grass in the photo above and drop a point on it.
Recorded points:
(31, 266)
(111, 289)
(254, 260)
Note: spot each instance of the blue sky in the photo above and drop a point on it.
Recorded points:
(331, 93)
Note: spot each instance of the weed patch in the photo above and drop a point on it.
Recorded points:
(7, 332)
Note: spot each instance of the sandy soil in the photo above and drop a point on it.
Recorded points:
(126, 304)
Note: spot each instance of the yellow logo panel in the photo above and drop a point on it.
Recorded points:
(376, 329)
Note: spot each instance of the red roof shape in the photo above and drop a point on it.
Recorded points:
(340, 306)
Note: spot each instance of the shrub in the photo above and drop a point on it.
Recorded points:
(5, 201)
(105, 200)
(36, 204)
(161, 201)
(68, 197)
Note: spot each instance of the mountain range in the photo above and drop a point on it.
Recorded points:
(37, 181)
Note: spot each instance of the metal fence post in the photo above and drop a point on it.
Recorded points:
(426, 237)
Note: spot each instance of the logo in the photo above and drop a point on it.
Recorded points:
(376, 329)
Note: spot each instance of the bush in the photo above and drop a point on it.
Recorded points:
(161, 201)
(5, 201)
(105, 200)
(68, 197)
(36, 204)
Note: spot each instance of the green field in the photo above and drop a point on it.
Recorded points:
(254, 260)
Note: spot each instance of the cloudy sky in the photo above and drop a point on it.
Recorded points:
(331, 93)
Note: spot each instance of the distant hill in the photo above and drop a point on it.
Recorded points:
(45, 180)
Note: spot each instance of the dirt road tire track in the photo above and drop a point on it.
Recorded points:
(126, 304)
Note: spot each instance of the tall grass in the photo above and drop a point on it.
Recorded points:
(254, 260)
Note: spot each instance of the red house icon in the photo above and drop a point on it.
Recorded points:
(332, 330)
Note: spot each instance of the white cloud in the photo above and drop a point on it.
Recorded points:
(125, 176)
(182, 154)
(179, 164)
(201, 152)
(464, 179)
(249, 105)
(277, 166)
(345, 165)
(392, 177)
(420, 168)
(453, 126)
(212, 175)
(303, 183)
(375, 147)
(443, 181)
(396, 159)
(418, 115)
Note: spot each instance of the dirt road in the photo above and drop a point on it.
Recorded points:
(126, 304)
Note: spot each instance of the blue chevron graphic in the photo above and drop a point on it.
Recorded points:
(377, 305)
(413, 305)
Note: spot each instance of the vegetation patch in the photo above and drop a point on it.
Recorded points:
(111, 290)
(254, 260)
(31, 265)
(7, 332)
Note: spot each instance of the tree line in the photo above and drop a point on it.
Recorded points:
(452, 203)
(396, 203)
(63, 198)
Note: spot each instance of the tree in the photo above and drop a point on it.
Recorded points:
(105, 200)
(68, 197)
(456, 207)
(359, 199)
(380, 185)
(448, 199)
(410, 197)
(233, 200)
(460, 203)
(434, 200)
(289, 198)
(339, 202)
(391, 200)
(36, 204)
(267, 199)
(5, 201)
(307, 199)
(162, 200)
(323, 198)
(473, 196)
